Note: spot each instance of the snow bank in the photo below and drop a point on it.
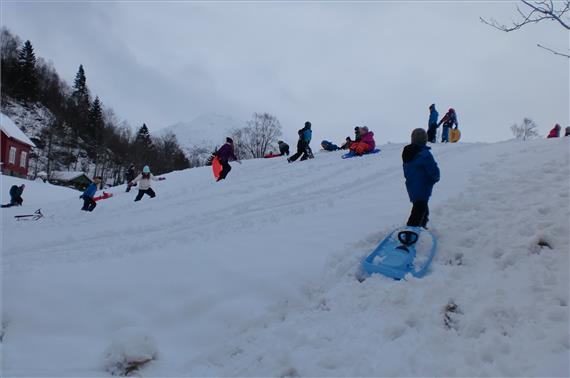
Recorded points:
(131, 349)
(36, 193)
(254, 276)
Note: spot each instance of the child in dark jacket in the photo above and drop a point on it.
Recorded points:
(347, 143)
(224, 154)
(329, 146)
(283, 148)
(16, 196)
(432, 123)
(303, 144)
(87, 196)
(421, 172)
(130, 176)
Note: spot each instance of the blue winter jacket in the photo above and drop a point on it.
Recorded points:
(421, 171)
(307, 134)
(90, 191)
(433, 115)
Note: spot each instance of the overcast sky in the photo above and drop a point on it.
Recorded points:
(339, 65)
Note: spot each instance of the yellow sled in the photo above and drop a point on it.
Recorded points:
(454, 135)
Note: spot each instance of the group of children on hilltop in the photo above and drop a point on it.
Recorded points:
(448, 121)
(363, 142)
(420, 168)
(364, 139)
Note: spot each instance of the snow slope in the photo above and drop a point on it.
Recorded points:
(254, 276)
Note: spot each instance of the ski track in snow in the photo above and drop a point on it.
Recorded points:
(254, 276)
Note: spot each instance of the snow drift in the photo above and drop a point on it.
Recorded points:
(254, 276)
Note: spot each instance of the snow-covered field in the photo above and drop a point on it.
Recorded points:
(254, 276)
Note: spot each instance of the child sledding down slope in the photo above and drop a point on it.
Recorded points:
(225, 154)
(366, 143)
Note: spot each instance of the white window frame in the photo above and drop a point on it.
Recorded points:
(12, 155)
(23, 158)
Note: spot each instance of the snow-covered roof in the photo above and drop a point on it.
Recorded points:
(13, 131)
(67, 175)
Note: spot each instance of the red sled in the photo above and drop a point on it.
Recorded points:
(105, 195)
(216, 167)
(269, 156)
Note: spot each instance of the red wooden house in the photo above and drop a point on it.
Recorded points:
(15, 148)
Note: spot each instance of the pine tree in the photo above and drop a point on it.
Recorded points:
(79, 104)
(143, 137)
(80, 91)
(96, 121)
(143, 146)
(9, 52)
(28, 83)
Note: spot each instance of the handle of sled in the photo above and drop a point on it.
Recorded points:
(407, 237)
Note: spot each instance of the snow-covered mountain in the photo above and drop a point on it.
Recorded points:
(255, 275)
(207, 130)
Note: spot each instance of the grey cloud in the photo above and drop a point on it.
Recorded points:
(338, 65)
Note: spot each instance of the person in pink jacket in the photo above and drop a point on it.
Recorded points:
(366, 143)
(555, 132)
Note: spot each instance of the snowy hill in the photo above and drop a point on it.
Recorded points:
(206, 130)
(254, 276)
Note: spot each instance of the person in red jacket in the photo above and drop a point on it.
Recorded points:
(448, 120)
(555, 132)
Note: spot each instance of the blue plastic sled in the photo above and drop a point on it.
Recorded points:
(352, 154)
(405, 250)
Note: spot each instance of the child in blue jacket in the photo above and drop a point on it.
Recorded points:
(421, 172)
(303, 148)
(87, 196)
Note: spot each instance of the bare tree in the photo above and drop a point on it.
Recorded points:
(261, 132)
(534, 12)
(198, 155)
(527, 130)
(240, 149)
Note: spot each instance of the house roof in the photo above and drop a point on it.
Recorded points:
(67, 176)
(9, 128)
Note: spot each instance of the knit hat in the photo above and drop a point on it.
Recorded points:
(146, 169)
(229, 140)
(419, 136)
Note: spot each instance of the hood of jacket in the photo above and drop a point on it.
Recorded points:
(411, 151)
